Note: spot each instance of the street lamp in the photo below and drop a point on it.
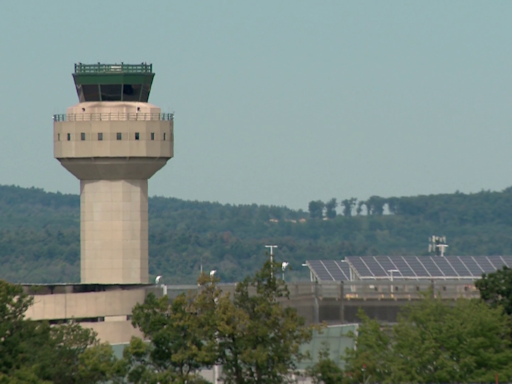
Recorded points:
(164, 286)
(283, 266)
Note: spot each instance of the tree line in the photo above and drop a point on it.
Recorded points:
(40, 233)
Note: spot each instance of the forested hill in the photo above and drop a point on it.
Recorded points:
(39, 232)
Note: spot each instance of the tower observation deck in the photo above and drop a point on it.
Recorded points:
(113, 141)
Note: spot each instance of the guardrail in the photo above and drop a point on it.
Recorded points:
(113, 68)
(118, 116)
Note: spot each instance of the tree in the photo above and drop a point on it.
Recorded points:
(35, 352)
(14, 332)
(330, 208)
(348, 206)
(259, 335)
(371, 358)
(253, 334)
(359, 208)
(496, 288)
(316, 209)
(436, 342)
(325, 371)
(375, 205)
(181, 334)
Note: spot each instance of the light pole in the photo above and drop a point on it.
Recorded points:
(283, 266)
(271, 251)
(271, 258)
(216, 366)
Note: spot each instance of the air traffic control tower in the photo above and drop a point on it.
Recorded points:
(113, 141)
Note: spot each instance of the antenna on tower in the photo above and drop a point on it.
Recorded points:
(437, 245)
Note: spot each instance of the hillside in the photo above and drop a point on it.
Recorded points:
(39, 232)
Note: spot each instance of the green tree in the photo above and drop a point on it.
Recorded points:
(330, 208)
(370, 360)
(181, 335)
(436, 342)
(325, 371)
(375, 205)
(35, 352)
(348, 206)
(316, 209)
(259, 335)
(496, 288)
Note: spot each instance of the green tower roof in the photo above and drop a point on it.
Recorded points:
(113, 82)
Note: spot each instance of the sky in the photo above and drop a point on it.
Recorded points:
(277, 102)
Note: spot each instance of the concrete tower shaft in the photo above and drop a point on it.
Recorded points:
(113, 147)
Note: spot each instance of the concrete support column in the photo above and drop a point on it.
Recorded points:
(114, 231)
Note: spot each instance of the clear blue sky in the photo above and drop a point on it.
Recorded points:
(277, 102)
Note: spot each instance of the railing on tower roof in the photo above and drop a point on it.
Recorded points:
(113, 68)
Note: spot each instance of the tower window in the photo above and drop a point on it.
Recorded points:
(58, 136)
(137, 136)
(82, 136)
(152, 135)
(69, 136)
(164, 135)
(100, 136)
(119, 136)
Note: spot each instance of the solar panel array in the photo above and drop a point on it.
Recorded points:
(330, 270)
(407, 267)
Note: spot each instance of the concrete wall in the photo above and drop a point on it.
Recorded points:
(143, 133)
(114, 332)
(114, 231)
(85, 305)
(110, 146)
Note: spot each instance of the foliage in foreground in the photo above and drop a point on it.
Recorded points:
(251, 334)
(434, 342)
(256, 337)
(35, 352)
(496, 289)
(325, 371)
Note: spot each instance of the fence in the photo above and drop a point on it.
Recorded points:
(374, 290)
